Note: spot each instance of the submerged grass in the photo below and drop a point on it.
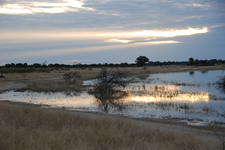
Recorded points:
(35, 128)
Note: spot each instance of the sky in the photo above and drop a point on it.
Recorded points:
(110, 31)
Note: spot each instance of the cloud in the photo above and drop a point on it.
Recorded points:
(195, 5)
(109, 15)
(62, 51)
(50, 52)
(26, 7)
(159, 42)
(119, 41)
(96, 37)
(140, 42)
(76, 61)
(155, 33)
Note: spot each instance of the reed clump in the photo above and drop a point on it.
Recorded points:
(23, 127)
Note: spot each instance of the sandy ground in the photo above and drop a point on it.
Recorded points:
(16, 81)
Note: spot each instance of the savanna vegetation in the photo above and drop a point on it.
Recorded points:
(23, 127)
(140, 61)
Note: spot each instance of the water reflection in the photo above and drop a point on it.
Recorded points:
(156, 88)
(56, 99)
(192, 73)
(203, 72)
(170, 97)
(72, 93)
(171, 93)
(109, 98)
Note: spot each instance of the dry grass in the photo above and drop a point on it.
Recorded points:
(35, 128)
(52, 86)
(92, 73)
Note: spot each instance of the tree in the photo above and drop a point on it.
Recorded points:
(44, 64)
(191, 61)
(141, 60)
(106, 89)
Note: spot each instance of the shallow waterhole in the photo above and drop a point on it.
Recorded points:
(191, 98)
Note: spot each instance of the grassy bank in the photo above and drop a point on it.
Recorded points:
(23, 127)
(52, 86)
(87, 74)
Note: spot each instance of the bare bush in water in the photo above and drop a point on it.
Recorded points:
(107, 89)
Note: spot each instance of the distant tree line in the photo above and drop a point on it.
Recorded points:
(191, 61)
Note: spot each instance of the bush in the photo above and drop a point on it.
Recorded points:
(106, 90)
(220, 84)
(72, 78)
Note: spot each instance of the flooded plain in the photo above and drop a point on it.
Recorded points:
(188, 97)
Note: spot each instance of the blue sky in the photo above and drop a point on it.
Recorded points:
(110, 31)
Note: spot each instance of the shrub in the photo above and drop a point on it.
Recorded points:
(220, 84)
(72, 78)
(106, 89)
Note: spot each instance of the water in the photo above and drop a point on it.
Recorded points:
(191, 98)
